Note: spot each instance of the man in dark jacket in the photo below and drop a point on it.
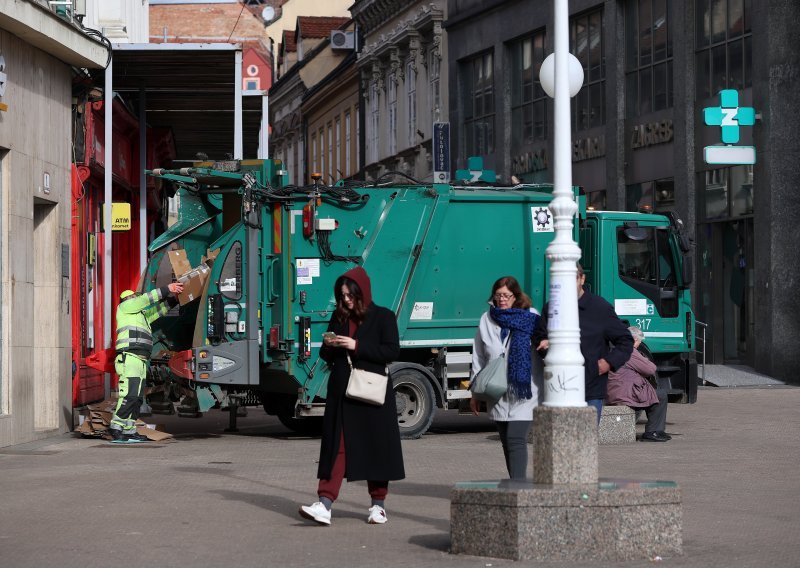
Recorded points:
(606, 344)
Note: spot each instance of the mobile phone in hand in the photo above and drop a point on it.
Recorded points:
(329, 335)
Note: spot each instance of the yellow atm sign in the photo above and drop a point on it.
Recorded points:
(120, 216)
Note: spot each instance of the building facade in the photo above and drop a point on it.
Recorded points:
(306, 59)
(650, 68)
(402, 65)
(330, 110)
(222, 21)
(35, 197)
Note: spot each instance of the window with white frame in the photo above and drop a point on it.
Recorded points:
(322, 151)
(392, 107)
(331, 165)
(374, 125)
(434, 64)
(314, 153)
(411, 101)
(299, 163)
(338, 129)
(358, 139)
(289, 161)
(347, 143)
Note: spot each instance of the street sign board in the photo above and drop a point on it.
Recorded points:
(730, 155)
(441, 152)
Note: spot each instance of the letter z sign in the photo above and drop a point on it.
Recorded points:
(729, 116)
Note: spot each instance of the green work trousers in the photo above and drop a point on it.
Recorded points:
(132, 371)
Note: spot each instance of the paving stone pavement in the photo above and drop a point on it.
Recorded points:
(215, 499)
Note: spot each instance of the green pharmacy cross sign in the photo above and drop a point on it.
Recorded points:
(729, 116)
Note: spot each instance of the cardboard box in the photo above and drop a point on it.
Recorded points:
(193, 279)
(97, 419)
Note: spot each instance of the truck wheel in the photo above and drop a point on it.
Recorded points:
(415, 403)
(311, 426)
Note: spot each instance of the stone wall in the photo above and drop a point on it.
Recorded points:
(35, 152)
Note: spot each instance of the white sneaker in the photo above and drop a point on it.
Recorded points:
(377, 515)
(316, 512)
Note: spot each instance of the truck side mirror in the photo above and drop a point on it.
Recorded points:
(687, 274)
(683, 243)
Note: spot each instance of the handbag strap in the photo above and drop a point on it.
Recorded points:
(506, 342)
(350, 362)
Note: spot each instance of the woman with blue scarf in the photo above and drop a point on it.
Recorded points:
(506, 328)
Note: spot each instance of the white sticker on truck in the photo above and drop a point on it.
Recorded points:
(542, 219)
(309, 265)
(422, 311)
(631, 307)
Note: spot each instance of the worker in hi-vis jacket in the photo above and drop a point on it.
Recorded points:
(135, 314)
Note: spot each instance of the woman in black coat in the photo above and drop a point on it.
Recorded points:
(360, 441)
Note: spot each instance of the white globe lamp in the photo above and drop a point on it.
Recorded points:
(547, 75)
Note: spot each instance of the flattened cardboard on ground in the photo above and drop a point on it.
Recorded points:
(193, 279)
(97, 418)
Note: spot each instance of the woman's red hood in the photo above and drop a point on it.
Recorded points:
(359, 276)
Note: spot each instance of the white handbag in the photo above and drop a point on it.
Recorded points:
(366, 386)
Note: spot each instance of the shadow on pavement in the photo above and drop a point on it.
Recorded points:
(440, 542)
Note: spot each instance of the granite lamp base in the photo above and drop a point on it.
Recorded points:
(610, 520)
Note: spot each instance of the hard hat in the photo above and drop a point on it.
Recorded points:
(126, 294)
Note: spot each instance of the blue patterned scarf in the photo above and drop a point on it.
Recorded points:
(520, 323)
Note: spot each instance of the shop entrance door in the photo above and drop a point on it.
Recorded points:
(725, 293)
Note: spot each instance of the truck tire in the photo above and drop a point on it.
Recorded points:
(415, 403)
(311, 426)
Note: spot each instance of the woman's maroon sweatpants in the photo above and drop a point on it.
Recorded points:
(330, 487)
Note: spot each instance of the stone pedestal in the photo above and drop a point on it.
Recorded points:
(617, 425)
(566, 513)
(564, 445)
(611, 520)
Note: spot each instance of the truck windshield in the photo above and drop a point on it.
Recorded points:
(647, 264)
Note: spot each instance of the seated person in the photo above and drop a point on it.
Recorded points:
(627, 386)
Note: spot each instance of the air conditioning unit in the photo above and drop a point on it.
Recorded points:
(342, 40)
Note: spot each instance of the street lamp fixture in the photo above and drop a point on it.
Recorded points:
(561, 76)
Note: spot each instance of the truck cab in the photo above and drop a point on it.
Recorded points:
(636, 262)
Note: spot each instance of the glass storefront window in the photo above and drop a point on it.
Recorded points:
(728, 192)
(716, 194)
(741, 184)
(649, 196)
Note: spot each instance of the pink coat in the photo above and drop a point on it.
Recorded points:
(627, 385)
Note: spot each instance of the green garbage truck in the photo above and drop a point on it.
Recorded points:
(267, 254)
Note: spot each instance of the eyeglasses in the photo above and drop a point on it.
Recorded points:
(503, 296)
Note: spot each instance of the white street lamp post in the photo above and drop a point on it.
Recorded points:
(561, 78)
